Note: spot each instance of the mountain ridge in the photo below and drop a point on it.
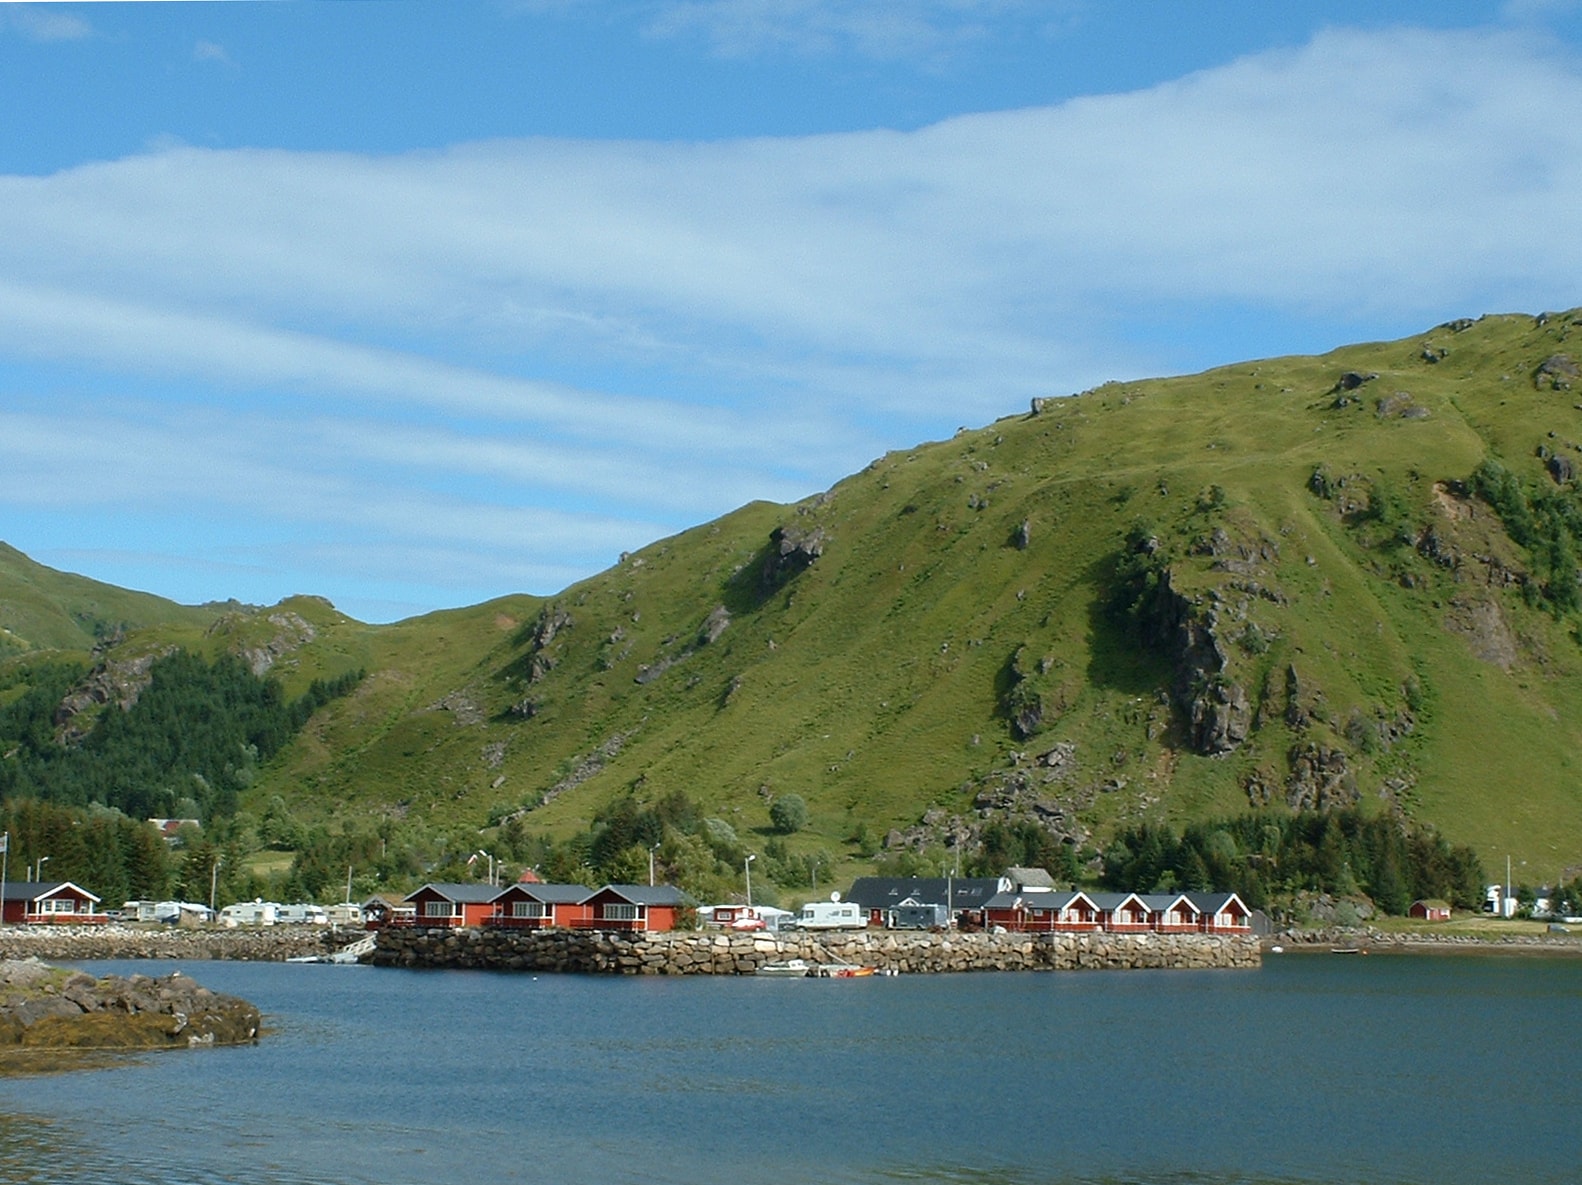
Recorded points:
(1281, 584)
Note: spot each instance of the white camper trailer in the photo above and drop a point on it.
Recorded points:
(833, 914)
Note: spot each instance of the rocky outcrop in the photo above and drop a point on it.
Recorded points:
(913, 952)
(120, 683)
(539, 660)
(792, 549)
(44, 1007)
(1556, 373)
(1215, 708)
(1321, 779)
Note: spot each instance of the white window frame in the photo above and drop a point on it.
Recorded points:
(620, 911)
(529, 909)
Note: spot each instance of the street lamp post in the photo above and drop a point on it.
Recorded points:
(747, 868)
(490, 859)
(38, 869)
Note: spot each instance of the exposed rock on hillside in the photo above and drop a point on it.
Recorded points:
(1215, 708)
(291, 632)
(116, 681)
(792, 549)
(1556, 373)
(1321, 779)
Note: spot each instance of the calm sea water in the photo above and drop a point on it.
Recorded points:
(1385, 1069)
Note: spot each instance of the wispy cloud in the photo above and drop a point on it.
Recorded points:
(886, 30)
(210, 51)
(472, 344)
(44, 23)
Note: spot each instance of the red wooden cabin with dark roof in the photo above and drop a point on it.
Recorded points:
(58, 903)
(537, 906)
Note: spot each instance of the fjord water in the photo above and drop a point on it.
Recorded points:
(1400, 1069)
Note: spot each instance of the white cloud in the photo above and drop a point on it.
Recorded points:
(473, 343)
(1384, 168)
(44, 23)
(210, 51)
(885, 30)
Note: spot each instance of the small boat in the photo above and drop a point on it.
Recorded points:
(787, 969)
(844, 971)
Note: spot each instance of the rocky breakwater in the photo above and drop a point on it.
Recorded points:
(1346, 938)
(711, 953)
(262, 944)
(51, 1008)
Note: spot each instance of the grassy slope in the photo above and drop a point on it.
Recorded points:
(42, 609)
(872, 682)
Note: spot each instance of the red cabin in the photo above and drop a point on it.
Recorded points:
(1172, 913)
(1222, 913)
(537, 906)
(1123, 913)
(450, 905)
(59, 903)
(650, 908)
(1067, 911)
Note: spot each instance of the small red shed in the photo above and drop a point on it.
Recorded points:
(1430, 910)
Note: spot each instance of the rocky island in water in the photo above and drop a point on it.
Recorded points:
(49, 1013)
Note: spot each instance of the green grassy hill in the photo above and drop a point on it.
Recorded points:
(1281, 583)
(42, 609)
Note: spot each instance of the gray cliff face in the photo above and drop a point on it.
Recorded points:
(1215, 708)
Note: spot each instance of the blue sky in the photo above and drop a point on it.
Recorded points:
(411, 305)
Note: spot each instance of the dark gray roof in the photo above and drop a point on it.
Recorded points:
(1159, 902)
(648, 894)
(33, 890)
(886, 892)
(549, 894)
(1214, 902)
(1038, 900)
(1109, 902)
(466, 893)
(1059, 900)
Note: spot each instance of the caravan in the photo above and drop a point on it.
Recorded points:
(302, 915)
(833, 914)
(249, 913)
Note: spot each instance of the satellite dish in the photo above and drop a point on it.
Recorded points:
(834, 896)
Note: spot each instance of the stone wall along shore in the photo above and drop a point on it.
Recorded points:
(712, 953)
(253, 944)
(1368, 938)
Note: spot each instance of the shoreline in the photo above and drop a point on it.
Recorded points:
(274, 944)
(279, 943)
(1364, 940)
